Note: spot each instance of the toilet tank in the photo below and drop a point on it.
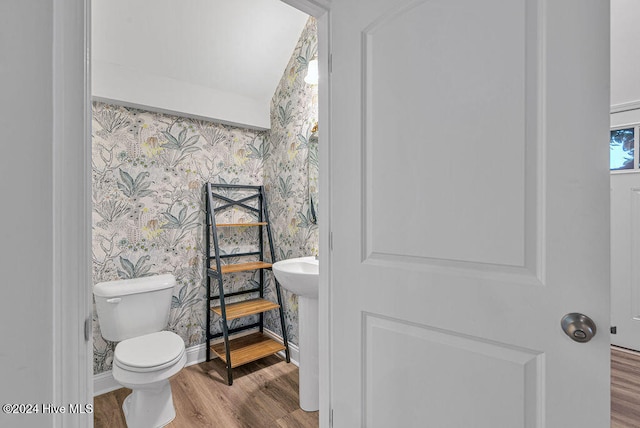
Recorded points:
(133, 307)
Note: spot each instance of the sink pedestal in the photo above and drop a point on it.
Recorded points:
(308, 348)
(301, 277)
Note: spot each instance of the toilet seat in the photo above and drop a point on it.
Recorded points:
(151, 352)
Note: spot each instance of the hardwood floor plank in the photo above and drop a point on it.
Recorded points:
(107, 409)
(264, 394)
(298, 418)
(625, 388)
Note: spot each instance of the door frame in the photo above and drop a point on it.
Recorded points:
(72, 365)
(321, 10)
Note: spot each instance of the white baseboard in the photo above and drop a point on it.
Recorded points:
(104, 382)
(294, 351)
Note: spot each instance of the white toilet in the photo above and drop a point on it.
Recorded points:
(134, 312)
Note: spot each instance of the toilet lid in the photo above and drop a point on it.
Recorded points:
(148, 352)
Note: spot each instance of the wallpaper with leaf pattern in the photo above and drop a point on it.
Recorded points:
(148, 172)
(294, 112)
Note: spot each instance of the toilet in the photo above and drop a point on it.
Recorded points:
(134, 312)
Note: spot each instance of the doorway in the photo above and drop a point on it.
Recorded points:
(320, 12)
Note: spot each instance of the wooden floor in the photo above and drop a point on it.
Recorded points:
(264, 394)
(625, 388)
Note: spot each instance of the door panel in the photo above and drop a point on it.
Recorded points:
(625, 252)
(460, 138)
(460, 369)
(470, 212)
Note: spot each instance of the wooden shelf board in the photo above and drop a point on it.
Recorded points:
(241, 267)
(249, 348)
(246, 307)
(263, 223)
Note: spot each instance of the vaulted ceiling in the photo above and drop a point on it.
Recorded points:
(220, 59)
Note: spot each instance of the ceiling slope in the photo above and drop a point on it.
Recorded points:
(217, 59)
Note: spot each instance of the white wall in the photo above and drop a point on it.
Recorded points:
(26, 120)
(625, 52)
(625, 62)
(118, 84)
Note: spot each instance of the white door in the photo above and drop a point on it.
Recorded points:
(470, 212)
(625, 249)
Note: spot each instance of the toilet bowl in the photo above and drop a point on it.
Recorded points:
(133, 312)
(151, 403)
(144, 364)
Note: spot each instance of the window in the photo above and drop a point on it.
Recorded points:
(622, 149)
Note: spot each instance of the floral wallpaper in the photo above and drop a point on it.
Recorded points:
(294, 112)
(148, 172)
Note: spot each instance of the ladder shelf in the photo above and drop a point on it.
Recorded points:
(246, 308)
(242, 267)
(238, 350)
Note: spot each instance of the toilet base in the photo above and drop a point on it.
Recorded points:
(149, 407)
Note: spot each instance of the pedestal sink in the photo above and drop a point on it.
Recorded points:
(300, 276)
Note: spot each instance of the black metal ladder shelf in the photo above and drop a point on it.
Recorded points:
(242, 349)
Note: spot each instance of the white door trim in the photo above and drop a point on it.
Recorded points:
(619, 108)
(321, 10)
(71, 222)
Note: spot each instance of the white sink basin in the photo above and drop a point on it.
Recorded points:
(299, 276)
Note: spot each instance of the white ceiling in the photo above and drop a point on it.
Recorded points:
(234, 47)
